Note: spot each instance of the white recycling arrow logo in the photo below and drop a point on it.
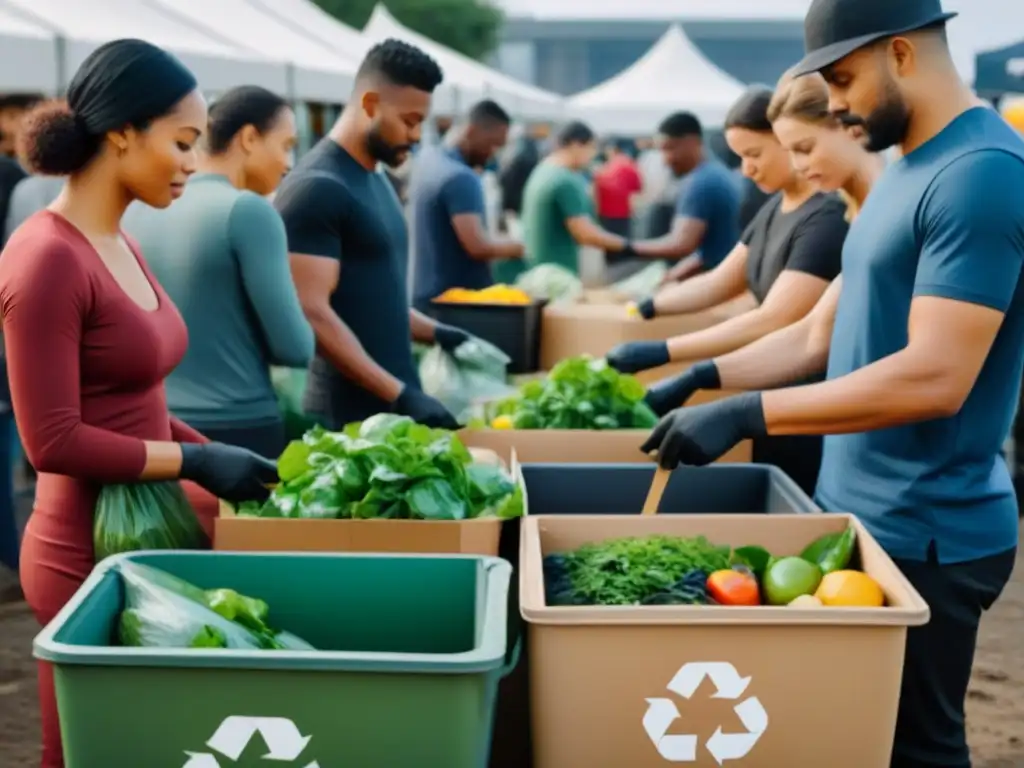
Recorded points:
(283, 738)
(682, 748)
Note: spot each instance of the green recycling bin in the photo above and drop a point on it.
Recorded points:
(410, 652)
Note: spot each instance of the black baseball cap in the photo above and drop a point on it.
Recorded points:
(833, 29)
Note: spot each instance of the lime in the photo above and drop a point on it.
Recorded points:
(788, 578)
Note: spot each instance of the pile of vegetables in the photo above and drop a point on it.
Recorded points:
(495, 294)
(668, 570)
(579, 393)
(163, 611)
(387, 467)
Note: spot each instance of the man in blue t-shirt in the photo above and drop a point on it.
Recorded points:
(706, 225)
(451, 247)
(926, 350)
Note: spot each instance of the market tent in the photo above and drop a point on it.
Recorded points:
(317, 74)
(315, 22)
(1001, 71)
(471, 79)
(980, 27)
(217, 64)
(28, 55)
(672, 75)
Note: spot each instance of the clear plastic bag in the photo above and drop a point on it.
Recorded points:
(141, 516)
(477, 371)
(642, 284)
(551, 282)
(163, 611)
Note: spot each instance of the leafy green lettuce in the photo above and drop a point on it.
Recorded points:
(387, 467)
(580, 393)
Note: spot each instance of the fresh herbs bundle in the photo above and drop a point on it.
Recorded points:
(631, 571)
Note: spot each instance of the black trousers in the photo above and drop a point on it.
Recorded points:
(267, 438)
(930, 729)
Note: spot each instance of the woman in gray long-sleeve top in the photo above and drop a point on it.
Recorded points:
(221, 253)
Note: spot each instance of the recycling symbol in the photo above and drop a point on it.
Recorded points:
(682, 748)
(283, 739)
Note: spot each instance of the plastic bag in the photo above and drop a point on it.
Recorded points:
(477, 371)
(642, 284)
(289, 387)
(163, 611)
(145, 516)
(550, 282)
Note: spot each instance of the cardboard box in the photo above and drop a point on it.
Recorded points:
(707, 684)
(575, 446)
(570, 330)
(233, 533)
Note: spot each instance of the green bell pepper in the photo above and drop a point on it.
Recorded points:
(833, 551)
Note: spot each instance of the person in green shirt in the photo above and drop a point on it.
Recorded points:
(221, 253)
(557, 215)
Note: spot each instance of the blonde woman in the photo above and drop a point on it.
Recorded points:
(788, 257)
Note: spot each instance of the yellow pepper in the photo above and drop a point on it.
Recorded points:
(495, 294)
(502, 422)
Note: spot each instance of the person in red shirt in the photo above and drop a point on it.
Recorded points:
(615, 183)
(91, 335)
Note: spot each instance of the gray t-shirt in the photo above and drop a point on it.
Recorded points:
(808, 239)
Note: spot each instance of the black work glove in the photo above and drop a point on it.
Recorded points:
(449, 338)
(227, 471)
(638, 356)
(646, 308)
(423, 409)
(704, 433)
(673, 392)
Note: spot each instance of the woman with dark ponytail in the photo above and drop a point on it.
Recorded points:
(90, 334)
(221, 253)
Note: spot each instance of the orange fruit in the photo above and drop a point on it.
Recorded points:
(850, 589)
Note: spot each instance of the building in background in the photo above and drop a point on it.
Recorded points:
(552, 47)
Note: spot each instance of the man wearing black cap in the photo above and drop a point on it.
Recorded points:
(926, 352)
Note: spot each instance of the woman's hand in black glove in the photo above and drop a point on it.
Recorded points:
(664, 395)
(423, 409)
(228, 472)
(704, 433)
(638, 356)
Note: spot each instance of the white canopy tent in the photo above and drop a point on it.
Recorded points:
(28, 55)
(470, 78)
(316, 23)
(317, 73)
(217, 64)
(673, 75)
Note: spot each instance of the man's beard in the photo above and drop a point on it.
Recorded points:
(887, 124)
(380, 150)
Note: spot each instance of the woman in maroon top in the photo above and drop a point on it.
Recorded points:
(89, 333)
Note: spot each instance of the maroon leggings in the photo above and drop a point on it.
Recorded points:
(55, 560)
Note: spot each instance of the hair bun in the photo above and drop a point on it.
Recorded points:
(54, 142)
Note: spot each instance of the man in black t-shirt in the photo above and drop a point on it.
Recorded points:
(348, 243)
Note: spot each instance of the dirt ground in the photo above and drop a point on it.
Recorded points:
(995, 702)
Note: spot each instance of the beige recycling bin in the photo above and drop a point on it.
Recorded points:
(758, 687)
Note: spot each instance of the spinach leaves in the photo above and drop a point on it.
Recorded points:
(580, 393)
(387, 467)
